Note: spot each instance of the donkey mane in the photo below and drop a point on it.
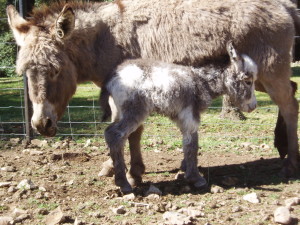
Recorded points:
(39, 15)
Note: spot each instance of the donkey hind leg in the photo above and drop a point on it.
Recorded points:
(108, 167)
(282, 94)
(137, 167)
(189, 164)
(281, 137)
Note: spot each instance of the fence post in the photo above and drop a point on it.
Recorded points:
(27, 103)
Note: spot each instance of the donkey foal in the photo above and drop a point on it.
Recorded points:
(140, 87)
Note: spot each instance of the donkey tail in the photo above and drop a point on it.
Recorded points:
(103, 100)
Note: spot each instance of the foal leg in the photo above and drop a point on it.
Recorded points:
(190, 149)
(108, 167)
(188, 123)
(116, 135)
(137, 168)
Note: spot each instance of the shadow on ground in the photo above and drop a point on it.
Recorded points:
(254, 174)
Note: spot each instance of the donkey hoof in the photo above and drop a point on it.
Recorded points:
(200, 184)
(287, 171)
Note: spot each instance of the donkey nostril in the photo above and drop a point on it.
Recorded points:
(48, 123)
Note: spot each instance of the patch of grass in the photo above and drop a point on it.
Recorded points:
(42, 204)
(3, 208)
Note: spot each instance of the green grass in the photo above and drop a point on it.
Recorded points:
(215, 132)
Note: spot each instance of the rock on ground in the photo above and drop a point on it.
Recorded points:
(252, 197)
(176, 218)
(282, 215)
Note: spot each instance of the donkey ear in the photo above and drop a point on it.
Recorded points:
(65, 22)
(18, 25)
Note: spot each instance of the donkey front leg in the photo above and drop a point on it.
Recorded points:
(189, 164)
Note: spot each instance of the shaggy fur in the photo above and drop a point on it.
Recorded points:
(141, 87)
(193, 32)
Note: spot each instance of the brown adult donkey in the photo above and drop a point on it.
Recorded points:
(63, 45)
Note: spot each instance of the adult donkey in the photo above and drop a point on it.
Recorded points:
(62, 45)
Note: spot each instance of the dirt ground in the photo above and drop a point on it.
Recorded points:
(66, 188)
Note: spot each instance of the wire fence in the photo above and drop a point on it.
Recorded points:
(82, 116)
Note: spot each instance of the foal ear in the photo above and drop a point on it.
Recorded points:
(65, 22)
(18, 25)
(234, 57)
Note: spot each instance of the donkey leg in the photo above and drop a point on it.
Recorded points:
(190, 149)
(282, 93)
(281, 137)
(137, 168)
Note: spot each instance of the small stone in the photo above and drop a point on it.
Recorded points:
(153, 196)
(5, 184)
(265, 147)
(96, 214)
(216, 189)
(40, 143)
(36, 152)
(252, 197)
(9, 169)
(87, 143)
(26, 184)
(129, 197)
(292, 202)
(70, 183)
(12, 189)
(43, 189)
(246, 144)
(192, 212)
(22, 217)
(153, 190)
(282, 215)
(236, 209)
(6, 220)
(39, 195)
(119, 210)
(176, 218)
(14, 141)
(18, 212)
(55, 217)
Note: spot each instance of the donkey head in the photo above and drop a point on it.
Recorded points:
(240, 80)
(42, 57)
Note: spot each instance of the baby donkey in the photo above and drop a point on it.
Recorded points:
(140, 87)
